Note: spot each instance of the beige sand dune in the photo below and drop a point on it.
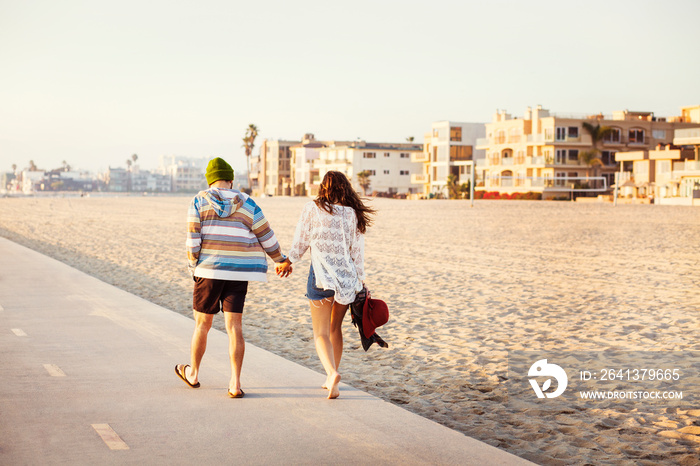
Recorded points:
(464, 285)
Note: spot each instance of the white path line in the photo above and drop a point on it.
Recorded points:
(54, 370)
(19, 332)
(110, 437)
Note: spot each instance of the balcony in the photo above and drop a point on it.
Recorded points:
(686, 166)
(419, 179)
(535, 139)
(687, 136)
(421, 157)
(536, 160)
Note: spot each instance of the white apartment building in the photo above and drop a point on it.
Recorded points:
(448, 149)
(186, 173)
(390, 165)
(304, 166)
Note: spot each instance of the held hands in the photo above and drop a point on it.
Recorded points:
(283, 269)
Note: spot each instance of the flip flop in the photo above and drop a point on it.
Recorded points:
(183, 375)
(236, 395)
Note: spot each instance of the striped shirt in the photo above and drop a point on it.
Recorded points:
(228, 237)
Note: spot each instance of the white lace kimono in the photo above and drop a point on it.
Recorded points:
(337, 249)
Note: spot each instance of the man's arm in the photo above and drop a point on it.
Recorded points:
(194, 236)
(266, 237)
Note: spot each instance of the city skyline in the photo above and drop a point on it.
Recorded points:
(93, 84)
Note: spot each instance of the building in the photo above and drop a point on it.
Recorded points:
(448, 149)
(304, 172)
(117, 180)
(148, 181)
(390, 165)
(68, 180)
(186, 174)
(668, 173)
(275, 175)
(545, 153)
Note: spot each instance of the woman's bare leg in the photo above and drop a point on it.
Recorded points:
(321, 321)
(337, 316)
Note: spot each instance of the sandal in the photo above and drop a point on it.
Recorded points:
(181, 371)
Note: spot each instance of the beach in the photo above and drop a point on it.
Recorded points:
(465, 286)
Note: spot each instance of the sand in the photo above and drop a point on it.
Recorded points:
(464, 286)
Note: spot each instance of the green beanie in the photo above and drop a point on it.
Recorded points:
(217, 170)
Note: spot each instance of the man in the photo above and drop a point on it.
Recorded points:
(227, 239)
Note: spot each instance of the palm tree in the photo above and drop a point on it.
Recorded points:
(32, 166)
(14, 168)
(248, 144)
(363, 180)
(128, 179)
(410, 139)
(134, 157)
(591, 158)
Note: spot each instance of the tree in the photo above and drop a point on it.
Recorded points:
(128, 179)
(248, 144)
(410, 139)
(453, 188)
(65, 166)
(363, 180)
(465, 188)
(591, 158)
(32, 166)
(14, 168)
(134, 157)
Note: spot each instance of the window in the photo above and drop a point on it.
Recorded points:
(614, 136)
(548, 134)
(548, 159)
(636, 136)
(456, 134)
(387, 155)
(500, 137)
(560, 156)
(369, 155)
(573, 154)
(608, 157)
(663, 166)
(372, 172)
(404, 172)
(386, 172)
(561, 133)
(573, 131)
(560, 179)
(404, 155)
(659, 134)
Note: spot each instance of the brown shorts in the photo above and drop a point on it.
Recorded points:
(211, 295)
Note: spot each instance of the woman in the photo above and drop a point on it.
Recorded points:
(332, 227)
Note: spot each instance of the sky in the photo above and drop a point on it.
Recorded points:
(93, 82)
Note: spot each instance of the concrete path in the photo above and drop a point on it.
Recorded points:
(88, 378)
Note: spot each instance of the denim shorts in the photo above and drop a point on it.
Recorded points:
(314, 293)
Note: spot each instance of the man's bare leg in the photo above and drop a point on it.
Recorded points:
(202, 325)
(234, 328)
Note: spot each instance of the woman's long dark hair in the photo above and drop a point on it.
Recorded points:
(336, 189)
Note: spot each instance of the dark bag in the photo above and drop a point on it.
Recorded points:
(357, 308)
